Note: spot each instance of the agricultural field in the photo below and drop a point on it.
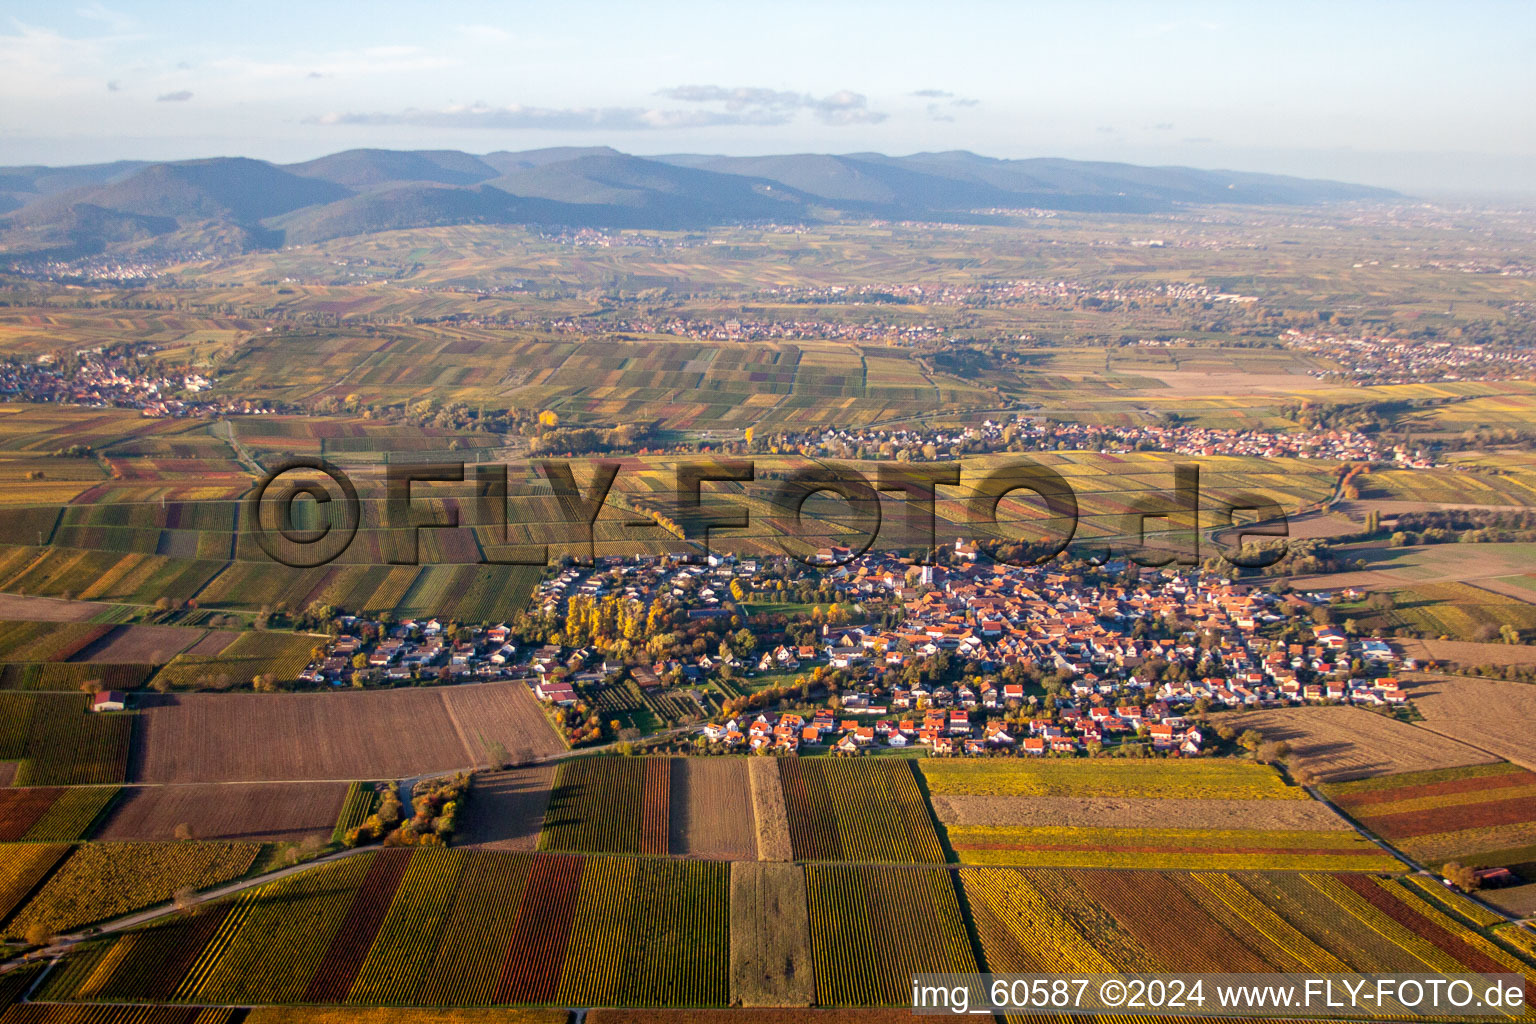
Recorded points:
(711, 808)
(22, 868)
(750, 1015)
(609, 805)
(1096, 921)
(771, 961)
(153, 645)
(254, 812)
(60, 743)
(70, 676)
(862, 811)
(59, 1013)
(695, 807)
(1482, 815)
(360, 800)
(768, 810)
(1134, 812)
(1184, 780)
(106, 880)
(1337, 744)
(856, 912)
(402, 1015)
(1168, 848)
(378, 734)
(506, 809)
(53, 815)
(1494, 715)
(282, 655)
(437, 927)
(47, 641)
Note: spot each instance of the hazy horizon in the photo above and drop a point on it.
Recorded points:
(1413, 97)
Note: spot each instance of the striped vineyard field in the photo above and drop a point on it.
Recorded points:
(1460, 907)
(53, 1013)
(355, 809)
(656, 801)
(72, 815)
(1479, 815)
(338, 968)
(1167, 848)
(1146, 921)
(408, 939)
(60, 743)
(435, 927)
(100, 881)
(23, 869)
(597, 806)
(873, 928)
(864, 811)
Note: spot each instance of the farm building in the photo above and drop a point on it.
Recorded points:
(109, 700)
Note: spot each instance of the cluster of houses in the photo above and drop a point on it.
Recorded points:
(961, 731)
(97, 380)
(1121, 657)
(1024, 434)
(411, 649)
(1108, 643)
(1394, 361)
(704, 587)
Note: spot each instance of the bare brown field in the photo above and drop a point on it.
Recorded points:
(1342, 743)
(1465, 652)
(388, 734)
(1390, 508)
(1390, 568)
(506, 809)
(751, 1015)
(46, 609)
(500, 713)
(213, 642)
(7, 772)
(1311, 525)
(1195, 383)
(1490, 714)
(1115, 812)
(145, 645)
(768, 810)
(1519, 900)
(258, 812)
(401, 1015)
(712, 809)
(770, 936)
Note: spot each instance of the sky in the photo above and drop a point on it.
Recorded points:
(1434, 99)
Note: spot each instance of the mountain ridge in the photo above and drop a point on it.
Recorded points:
(238, 203)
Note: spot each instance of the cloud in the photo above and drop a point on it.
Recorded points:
(113, 86)
(179, 96)
(840, 108)
(315, 74)
(519, 117)
(117, 21)
(942, 99)
(733, 107)
(1163, 126)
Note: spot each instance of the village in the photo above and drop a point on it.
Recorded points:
(1026, 433)
(119, 378)
(968, 658)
